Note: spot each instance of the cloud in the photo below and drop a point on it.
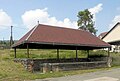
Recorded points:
(96, 10)
(31, 17)
(5, 19)
(114, 21)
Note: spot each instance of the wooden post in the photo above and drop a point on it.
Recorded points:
(88, 53)
(15, 52)
(109, 60)
(27, 51)
(76, 54)
(108, 52)
(58, 54)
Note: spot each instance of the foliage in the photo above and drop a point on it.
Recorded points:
(98, 53)
(85, 21)
(115, 58)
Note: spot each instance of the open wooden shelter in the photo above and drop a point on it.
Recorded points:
(51, 37)
(54, 37)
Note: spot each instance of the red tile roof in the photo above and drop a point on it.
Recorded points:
(102, 35)
(59, 35)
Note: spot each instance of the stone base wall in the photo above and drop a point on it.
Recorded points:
(48, 65)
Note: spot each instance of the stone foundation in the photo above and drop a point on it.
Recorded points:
(51, 65)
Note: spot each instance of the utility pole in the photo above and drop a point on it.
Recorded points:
(11, 37)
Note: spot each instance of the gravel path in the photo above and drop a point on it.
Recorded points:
(109, 75)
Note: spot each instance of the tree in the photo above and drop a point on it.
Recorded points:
(85, 21)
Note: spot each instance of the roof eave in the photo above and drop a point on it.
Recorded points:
(66, 44)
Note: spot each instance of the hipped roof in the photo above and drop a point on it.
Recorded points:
(52, 37)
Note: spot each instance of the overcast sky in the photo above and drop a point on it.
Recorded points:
(24, 14)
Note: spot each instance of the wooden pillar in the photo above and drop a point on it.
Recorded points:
(58, 54)
(109, 59)
(76, 54)
(88, 53)
(27, 51)
(15, 52)
(108, 52)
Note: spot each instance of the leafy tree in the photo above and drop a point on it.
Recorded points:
(85, 21)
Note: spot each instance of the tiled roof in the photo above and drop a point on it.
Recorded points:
(59, 35)
(102, 35)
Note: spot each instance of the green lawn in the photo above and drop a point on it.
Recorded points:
(11, 71)
(40, 53)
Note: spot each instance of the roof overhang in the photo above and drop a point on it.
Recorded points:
(53, 45)
(52, 37)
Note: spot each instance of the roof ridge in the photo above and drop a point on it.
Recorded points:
(63, 27)
(31, 32)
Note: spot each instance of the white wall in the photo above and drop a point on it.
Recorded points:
(114, 35)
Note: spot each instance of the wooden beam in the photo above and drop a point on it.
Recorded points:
(76, 54)
(27, 51)
(15, 52)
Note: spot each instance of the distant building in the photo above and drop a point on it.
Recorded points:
(102, 35)
(112, 37)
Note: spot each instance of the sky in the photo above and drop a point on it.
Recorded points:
(24, 14)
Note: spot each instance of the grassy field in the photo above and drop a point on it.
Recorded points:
(11, 71)
(40, 53)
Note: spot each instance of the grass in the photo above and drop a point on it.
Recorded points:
(11, 71)
(40, 53)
